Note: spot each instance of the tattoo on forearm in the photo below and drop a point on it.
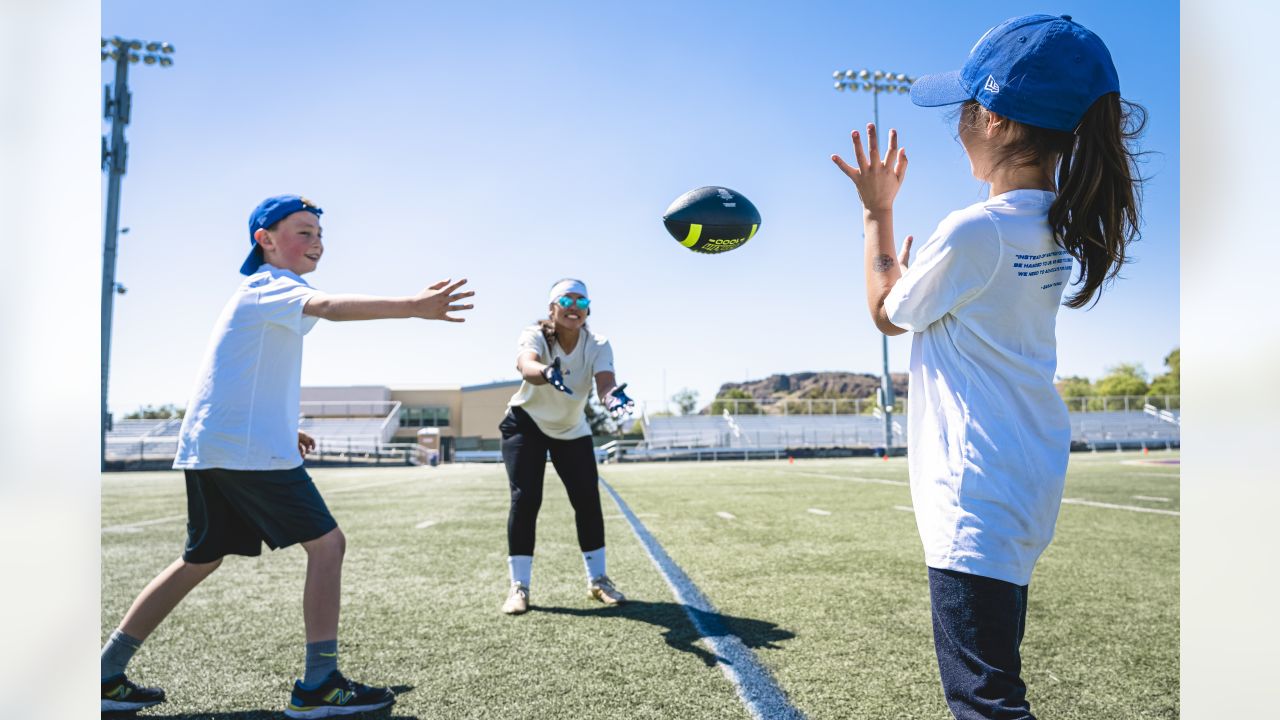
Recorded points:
(882, 263)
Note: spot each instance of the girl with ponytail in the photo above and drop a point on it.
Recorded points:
(1041, 120)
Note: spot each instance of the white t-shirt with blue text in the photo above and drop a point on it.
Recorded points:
(243, 414)
(562, 416)
(988, 434)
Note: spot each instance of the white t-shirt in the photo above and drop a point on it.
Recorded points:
(562, 416)
(988, 435)
(243, 414)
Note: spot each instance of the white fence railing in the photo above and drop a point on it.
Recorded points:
(871, 406)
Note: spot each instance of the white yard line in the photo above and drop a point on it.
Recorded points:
(1110, 506)
(424, 524)
(137, 527)
(1168, 476)
(817, 511)
(904, 508)
(1151, 498)
(726, 516)
(754, 684)
(367, 486)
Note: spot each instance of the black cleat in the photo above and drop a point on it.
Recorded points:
(119, 694)
(336, 696)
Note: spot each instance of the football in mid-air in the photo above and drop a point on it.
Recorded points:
(712, 219)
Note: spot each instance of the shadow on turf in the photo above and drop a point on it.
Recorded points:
(680, 634)
(387, 713)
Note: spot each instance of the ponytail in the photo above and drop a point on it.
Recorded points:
(1095, 214)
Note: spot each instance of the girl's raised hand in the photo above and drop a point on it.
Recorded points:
(877, 180)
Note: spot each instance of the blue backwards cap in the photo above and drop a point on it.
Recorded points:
(268, 213)
(1042, 70)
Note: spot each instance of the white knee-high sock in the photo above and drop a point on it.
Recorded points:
(594, 560)
(521, 567)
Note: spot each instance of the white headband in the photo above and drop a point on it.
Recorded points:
(564, 287)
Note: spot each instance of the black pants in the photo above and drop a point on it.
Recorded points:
(977, 631)
(524, 450)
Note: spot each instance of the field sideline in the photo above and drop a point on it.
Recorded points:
(814, 567)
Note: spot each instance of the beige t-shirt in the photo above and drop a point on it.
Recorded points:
(557, 414)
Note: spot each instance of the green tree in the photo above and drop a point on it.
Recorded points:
(745, 405)
(1073, 389)
(601, 422)
(1123, 379)
(1168, 384)
(164, 412)
(686, 400)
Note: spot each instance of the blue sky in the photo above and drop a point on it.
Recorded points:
(514, 144)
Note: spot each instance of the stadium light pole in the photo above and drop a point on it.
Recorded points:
(116, 108)
(876, 82)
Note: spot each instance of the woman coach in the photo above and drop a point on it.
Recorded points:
(557, 358)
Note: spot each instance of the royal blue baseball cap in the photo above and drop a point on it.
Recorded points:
(268, 213)
(1041, 70)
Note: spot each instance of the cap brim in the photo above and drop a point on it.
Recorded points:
(940, 89)
(253, 262)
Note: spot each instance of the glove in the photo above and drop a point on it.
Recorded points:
(553, 377)
(617, 402)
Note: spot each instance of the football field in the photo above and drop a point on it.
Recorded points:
(765, 588)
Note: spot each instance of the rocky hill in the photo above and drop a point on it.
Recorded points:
(805, 385)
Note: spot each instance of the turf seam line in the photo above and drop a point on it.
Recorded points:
(852, 478)
(143, 523)
(1110, 506)
(755, 686)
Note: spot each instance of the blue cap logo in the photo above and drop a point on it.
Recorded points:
(268, 213)
(1042, 70)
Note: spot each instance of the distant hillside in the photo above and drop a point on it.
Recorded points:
(805, 385)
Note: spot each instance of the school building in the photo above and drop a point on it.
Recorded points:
(466, 417)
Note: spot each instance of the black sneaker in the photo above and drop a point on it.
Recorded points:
(119, 694)
(336, 696)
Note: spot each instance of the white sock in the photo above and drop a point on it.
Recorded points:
(521, 567)
(594, 560)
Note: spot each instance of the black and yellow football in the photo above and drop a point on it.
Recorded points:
(712, 219)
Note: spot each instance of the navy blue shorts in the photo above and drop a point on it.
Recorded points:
(233, 512)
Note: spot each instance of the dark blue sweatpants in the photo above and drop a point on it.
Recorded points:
(977, 631)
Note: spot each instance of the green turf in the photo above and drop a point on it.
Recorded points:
(835, 605)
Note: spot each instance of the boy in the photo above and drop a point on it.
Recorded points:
(240, 449)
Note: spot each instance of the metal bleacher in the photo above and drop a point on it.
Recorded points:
(142, 440)
(345, 430)
(761, 435)
(1119, 430)
(754, 435)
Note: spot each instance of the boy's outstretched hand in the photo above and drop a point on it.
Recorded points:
(878, 180)
(440, 299)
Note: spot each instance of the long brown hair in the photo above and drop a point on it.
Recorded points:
(1096, 213)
